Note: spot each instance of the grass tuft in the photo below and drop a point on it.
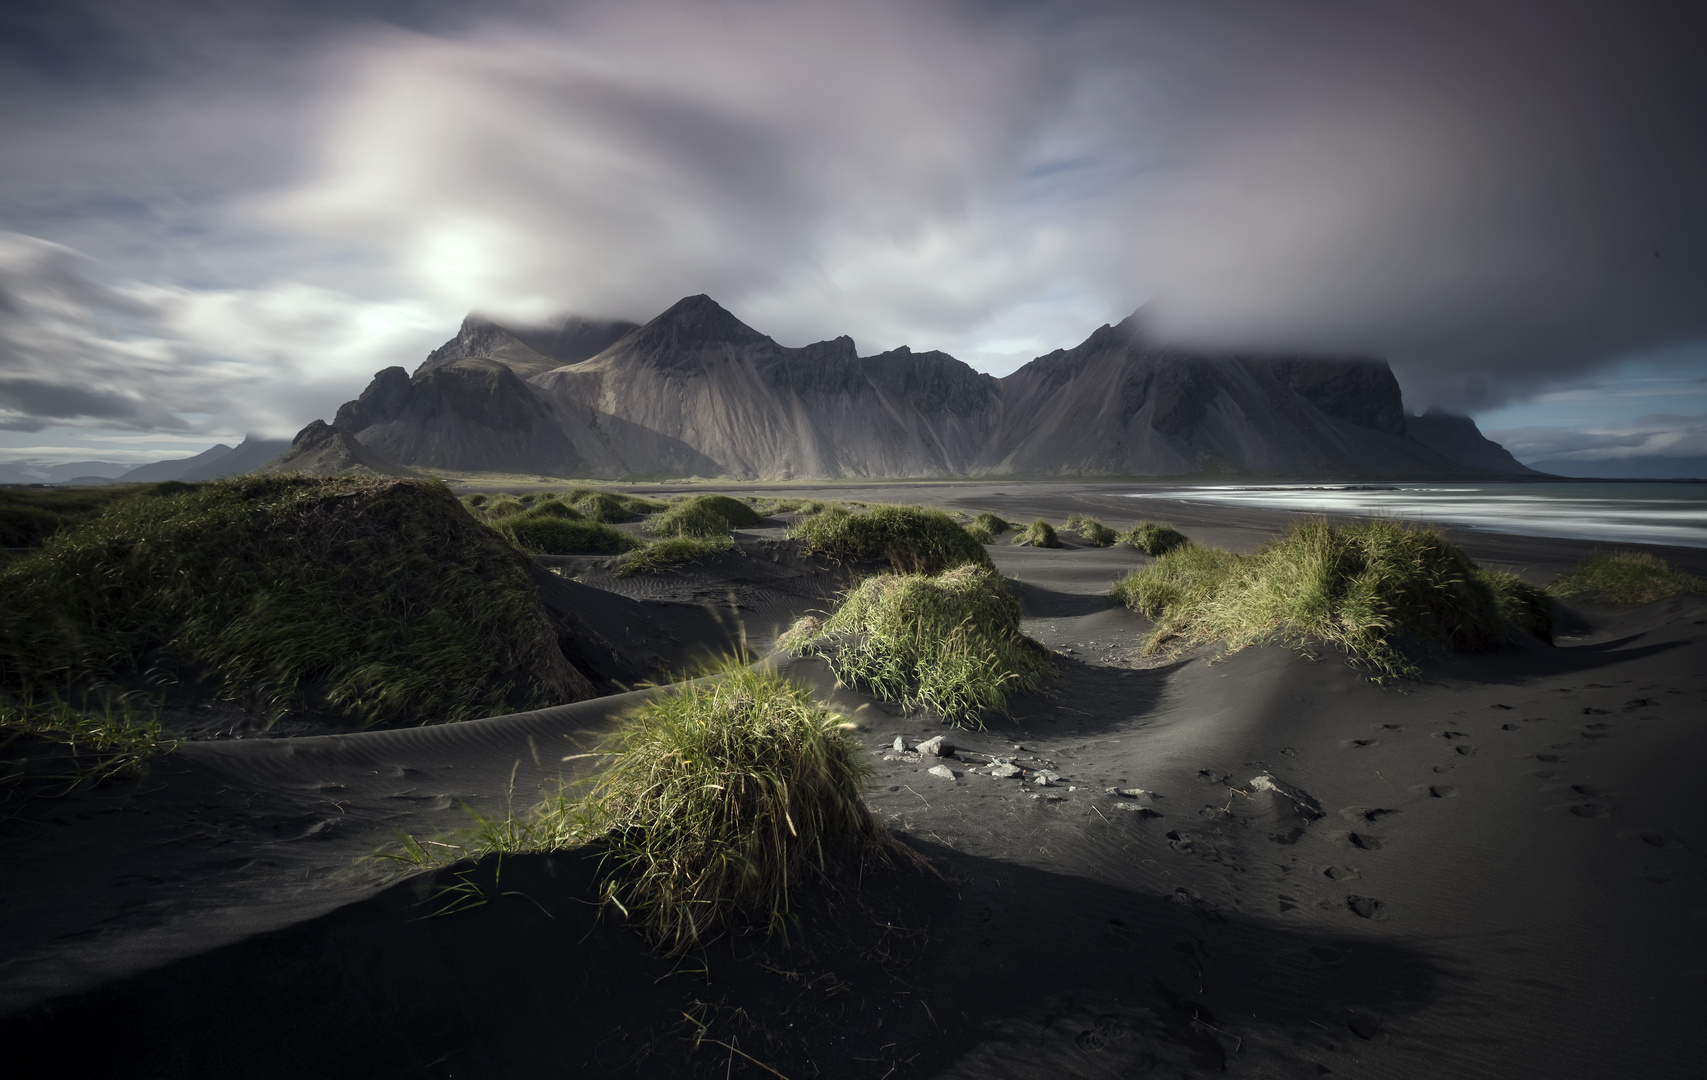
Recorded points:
(671, 552)
(1091, 530)
(721, 797)
(910, 539)
(112, 740)
(1356, 587)
(1154, 538)
(1627, 577)
(1038, 534)
(949, 643)
(705, 517)
(987, 526)
(379, 601)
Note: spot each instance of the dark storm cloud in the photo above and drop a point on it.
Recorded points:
(1496, 196)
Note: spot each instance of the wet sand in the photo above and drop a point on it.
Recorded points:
(1495, 870)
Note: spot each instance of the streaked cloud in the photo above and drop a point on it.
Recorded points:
(1502, 199)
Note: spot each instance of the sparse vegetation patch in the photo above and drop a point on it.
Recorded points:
(1627, 577)
(671, 552)
(1356, 587)
(949, 643)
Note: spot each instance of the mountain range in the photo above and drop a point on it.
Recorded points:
(696, 392)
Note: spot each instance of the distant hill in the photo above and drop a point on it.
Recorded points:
(1631, 468)
(174, 468)
(1458, 438)
(697, 392)
(72, 472)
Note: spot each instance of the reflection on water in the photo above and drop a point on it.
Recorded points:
(1624, 513)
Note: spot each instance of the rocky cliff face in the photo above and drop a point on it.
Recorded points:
(469, 414)
(529, 352)
(1119, 406)
(697, 392)
(749, 407)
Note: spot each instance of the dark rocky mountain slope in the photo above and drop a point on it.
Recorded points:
(1460, 439)
(697, 392)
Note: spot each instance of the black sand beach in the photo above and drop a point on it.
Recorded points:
(1496, 870)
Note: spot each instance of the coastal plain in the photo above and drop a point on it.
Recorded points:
(1260, 864)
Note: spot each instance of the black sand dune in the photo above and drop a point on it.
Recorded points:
(1494, 871)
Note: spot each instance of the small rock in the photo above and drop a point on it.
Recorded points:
(1003, 772)
(900, 745)
(937, 746)
(943, 771)
(1046, 776)
(1132, 793)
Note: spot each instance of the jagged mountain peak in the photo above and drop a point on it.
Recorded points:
(699, 321)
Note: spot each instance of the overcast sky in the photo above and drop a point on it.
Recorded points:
(213, 223)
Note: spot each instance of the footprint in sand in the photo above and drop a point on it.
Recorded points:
(1364, 742)
(1653, 839)
(1590, 810)
(1364, 907)
(1551, 759)
(1342, 873)
(1363, 841)
(1509, 727)
(1464, 750)
(1591, 711)
(1444, 768)
(1595, 731)
(1393, 727)
(1587, 790)
(1507, 708)
(1454, 734)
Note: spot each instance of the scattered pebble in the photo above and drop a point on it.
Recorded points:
(943, 771)
(900, 745)
(1004, 771)
(936, 746)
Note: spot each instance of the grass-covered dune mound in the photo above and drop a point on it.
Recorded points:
(949, 643)
(704, 516)
(1358, 588)
(720, 798)
(1091, 530)
(1038, 534)
(1154, 537)
(1627, 577)
(987, 526)
(910, 539)
(378, 601)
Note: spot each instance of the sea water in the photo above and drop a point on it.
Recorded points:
(1639, 513)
